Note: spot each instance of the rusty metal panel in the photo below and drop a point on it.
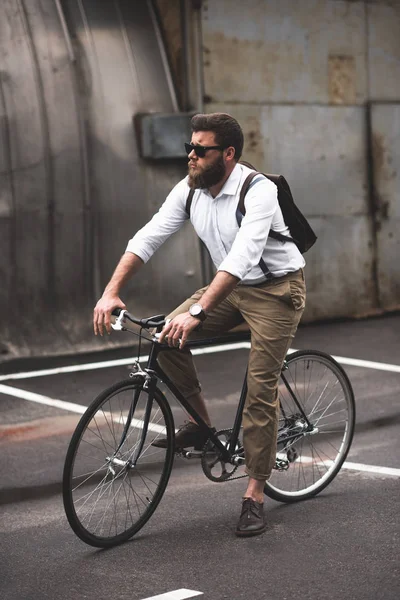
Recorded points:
(339, 269)
(385, 122)
(328, 178)
(313, 51)
(320, 149)
(384, 50)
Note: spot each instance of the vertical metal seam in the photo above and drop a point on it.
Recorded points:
(49, 186)
(199, 50)
(64, 27)
(371, 180)
(13, 236)
(83, 150)
(163, 55)
(94, 242)
(207, 266)
(185, 43)
(132, 64)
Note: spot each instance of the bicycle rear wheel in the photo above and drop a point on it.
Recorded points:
(311, 459)
(113, 477)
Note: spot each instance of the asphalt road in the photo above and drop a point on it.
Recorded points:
(342, 544)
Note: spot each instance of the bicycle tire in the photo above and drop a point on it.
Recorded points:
(106, 502)
(324, 391)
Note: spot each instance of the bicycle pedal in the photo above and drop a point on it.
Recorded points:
(189, 453)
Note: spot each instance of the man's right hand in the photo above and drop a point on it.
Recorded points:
(102, 313)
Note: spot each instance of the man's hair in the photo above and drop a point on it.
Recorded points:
(226, 129)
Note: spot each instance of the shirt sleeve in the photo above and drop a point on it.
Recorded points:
(261, 203)
(169, 219)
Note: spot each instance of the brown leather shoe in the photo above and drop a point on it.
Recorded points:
(187, 436)
(251, 521)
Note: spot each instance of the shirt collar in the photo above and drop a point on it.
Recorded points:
(231, 185)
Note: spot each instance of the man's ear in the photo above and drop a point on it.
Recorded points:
(230, 153)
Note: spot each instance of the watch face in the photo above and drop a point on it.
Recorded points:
(195, 310)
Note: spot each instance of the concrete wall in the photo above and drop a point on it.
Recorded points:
(300, 77)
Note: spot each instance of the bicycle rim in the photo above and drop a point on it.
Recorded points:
(110, 492)
(324, 393)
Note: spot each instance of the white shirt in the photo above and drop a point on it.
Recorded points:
(234, 249)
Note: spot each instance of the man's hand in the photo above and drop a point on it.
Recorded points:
(102, 313)
(178, 330)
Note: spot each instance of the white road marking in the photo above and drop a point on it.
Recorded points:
(181, 594)
(78, 408)
(38, 398)
(367, 364)
(371, 469)
(116, 363)
(354, 362)
(69, 406)
(348, 465)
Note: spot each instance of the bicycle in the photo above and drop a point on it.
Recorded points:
(114, 478)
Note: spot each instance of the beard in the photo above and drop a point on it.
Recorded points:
(209, 176)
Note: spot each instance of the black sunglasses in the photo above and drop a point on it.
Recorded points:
(200, 150)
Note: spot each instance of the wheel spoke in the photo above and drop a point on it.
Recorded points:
(324, 393)
(107, 499)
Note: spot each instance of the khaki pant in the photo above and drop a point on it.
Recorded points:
(272, 311)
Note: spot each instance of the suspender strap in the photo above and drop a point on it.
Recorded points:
(241, 211)
(189, 201)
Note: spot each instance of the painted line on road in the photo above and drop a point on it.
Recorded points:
(348, 465)
(181, 594)
(69, 406)
(371, 469)
(78, 408)
(354, 362)
(116, 363)
(367, 364)
(39, 399)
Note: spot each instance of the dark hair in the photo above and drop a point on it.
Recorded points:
(226, 129)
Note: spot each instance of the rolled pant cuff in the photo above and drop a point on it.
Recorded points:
(257, 476)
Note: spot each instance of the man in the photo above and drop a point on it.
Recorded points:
(271, 300)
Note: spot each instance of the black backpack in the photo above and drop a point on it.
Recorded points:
(302, 234)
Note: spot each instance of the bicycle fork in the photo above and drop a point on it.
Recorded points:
(149, 383)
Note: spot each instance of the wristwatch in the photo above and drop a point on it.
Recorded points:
(196, 310)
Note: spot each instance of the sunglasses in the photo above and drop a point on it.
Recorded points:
(200, 150)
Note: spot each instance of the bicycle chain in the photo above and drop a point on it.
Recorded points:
(280, 465)
(205, 467)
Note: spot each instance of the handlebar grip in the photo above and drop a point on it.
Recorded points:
(157, 321)
(117, 311)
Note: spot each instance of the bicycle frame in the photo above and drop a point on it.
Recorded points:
(155, 372)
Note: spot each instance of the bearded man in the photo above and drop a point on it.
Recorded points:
(259, 279)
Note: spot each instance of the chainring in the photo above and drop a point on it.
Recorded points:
(212, 464)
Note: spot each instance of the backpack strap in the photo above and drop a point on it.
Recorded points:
(241, 211)
(189, 201)
(241, 207)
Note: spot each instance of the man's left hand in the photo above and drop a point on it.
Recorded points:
(178, 330)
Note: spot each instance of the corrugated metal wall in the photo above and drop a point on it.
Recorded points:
(310, 82)
(73, 188)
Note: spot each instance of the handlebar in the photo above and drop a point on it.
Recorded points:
(158, 321)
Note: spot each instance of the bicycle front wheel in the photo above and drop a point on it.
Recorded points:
(309, 458)
(113, 477)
